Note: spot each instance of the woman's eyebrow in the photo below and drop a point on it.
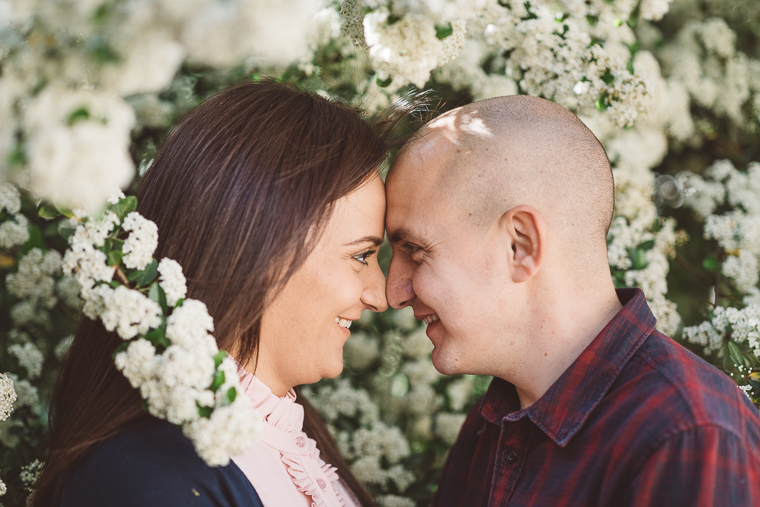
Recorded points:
(367, 239)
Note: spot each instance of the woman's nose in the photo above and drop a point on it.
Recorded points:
(374, 293)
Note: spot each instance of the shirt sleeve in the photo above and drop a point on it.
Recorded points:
(701, 467)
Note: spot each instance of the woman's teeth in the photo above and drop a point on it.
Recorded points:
(343, 322)
(430, 319)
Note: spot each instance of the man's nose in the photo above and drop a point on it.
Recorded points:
(398, 288)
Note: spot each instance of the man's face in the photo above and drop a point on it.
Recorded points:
(443, 266)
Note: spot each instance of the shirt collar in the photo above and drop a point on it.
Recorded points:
(566, 405)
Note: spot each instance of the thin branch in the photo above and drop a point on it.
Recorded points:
(694, 271)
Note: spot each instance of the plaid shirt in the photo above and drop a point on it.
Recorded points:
(635, 420)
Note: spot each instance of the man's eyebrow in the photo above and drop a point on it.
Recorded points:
(367, 239)
(403, 234)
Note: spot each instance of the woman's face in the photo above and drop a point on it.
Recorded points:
(303, 331)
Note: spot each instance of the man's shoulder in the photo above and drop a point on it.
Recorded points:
(671, 390)
(153, 464)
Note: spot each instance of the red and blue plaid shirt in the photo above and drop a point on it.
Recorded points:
(636, 420)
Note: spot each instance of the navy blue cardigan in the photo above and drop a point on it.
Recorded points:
(151, 466)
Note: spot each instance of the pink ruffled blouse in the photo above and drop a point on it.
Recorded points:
(284, 464)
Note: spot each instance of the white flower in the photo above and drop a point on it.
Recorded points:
(14, 232)
(34, 280)
(77, 145)
(395, 501)
(10, 199)
(172, 281)
(460, 391)
(142, 241)
(360, 351)
(190, 325)
(138, 363)
(447, 426)
(228, 432)
(27, 394)
(7, 396)
(30, 473)
(29, 357)
(129, 313)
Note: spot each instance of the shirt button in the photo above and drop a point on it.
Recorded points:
(322, 484)
(511, 456)
(300, 441)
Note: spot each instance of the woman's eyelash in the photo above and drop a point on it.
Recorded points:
(362, 257)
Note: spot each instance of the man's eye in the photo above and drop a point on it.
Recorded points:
(362, 257)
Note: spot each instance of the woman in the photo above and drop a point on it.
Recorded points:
(270, 199)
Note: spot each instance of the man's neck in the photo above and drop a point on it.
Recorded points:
(558, 342)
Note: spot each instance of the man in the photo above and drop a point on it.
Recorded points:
(498, 214)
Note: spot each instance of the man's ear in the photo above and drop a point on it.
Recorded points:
(526, 231)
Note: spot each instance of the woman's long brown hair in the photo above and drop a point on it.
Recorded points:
(237, 191)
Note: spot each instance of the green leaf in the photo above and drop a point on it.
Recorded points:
(755, 384)
(592, 20)
(735, 353)
(125, 206)
(230, 395)
(443, 31)
(638, 258)
(219, 357)
(35, 239)
(47, 211)
(17, 157)
(218, 381)
(79, 114)
(113, 284)
(710, 264)
(393, 19)
(64, 211)
(602, 103)
(204, 411)
(158, 337)
(121, 348)
(607, 77)
(145, 277)
(114, 257)
(646, 245)
(179, 302)
(158, 295)
(383, 83)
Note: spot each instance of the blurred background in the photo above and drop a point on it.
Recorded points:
(89, 88)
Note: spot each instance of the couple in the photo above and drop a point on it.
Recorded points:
(497, 212)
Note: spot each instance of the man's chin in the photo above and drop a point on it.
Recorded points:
(445, 363)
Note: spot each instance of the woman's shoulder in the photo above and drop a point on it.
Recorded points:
(154, 465)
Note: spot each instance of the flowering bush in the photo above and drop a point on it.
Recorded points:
(89, 87)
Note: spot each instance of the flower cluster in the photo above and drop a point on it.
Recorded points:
(551, 52)
(169, 354)
(73, 70)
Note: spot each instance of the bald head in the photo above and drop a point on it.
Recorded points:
(498, 153)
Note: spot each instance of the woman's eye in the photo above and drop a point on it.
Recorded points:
(362, 257)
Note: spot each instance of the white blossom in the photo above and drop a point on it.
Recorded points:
(172, 281)
(228, 432)
(34, 279)
(10, 199)
(29, 357)
(447, 426)
(129, 313)
(14, 232)
(7, 396)
(190, 325)
(142, 241)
